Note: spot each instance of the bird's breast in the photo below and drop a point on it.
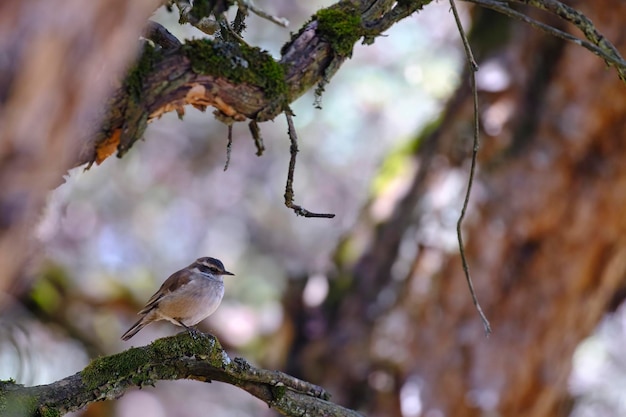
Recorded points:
(193, 302)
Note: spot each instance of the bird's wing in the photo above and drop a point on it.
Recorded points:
(175, 281)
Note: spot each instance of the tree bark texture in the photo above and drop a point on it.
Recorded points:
(544, 238)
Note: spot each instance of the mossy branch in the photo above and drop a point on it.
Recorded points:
(241, 82)
(245, 83)
(176, 357)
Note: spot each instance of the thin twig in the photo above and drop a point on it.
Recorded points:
(229, 146)
(473, 68)
(300, 211)
(596, 43)
(256, 135)
(578, 19)
(248, 4)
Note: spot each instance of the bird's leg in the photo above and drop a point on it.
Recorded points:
(193, 332)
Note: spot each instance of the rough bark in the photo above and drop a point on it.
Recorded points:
(544, 240)
(240, 82)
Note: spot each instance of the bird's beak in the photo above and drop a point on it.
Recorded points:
(227, 273)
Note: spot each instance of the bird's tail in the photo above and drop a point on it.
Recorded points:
(141, 323)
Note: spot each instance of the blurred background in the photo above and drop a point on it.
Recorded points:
(109, 237)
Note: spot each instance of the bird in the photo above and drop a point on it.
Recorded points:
(186, 298)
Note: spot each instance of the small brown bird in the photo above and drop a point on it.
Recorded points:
(186, 298)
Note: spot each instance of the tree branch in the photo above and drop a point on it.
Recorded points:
(171, 358)
(289, 195)
(239, 81)
(473, 68)
(161, 36)
(595, 42)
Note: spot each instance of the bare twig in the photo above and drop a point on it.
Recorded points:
(375, 26)
(578, 19)
(249, 5)
(473, 68)
(161, 36)
(229, 146)
(256, 135)
(300, 211)
(596, 43)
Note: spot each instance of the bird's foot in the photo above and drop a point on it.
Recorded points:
(195, 333)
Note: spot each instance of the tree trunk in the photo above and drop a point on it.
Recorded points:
(59, 61)
(544, 240)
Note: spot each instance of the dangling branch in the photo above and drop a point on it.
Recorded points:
(256, 135)
(249, 5)
(229, 146)
(473, 68)
(300, 211)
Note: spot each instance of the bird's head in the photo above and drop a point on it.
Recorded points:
(212, 266)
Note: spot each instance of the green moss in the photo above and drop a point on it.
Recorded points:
(134, 80)
(136, 363)
(18, 405)
(102, 370)
(11, 404)
(204, 347)
(238, 63)
(49, 412)
(340, 25)
(278, 392)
